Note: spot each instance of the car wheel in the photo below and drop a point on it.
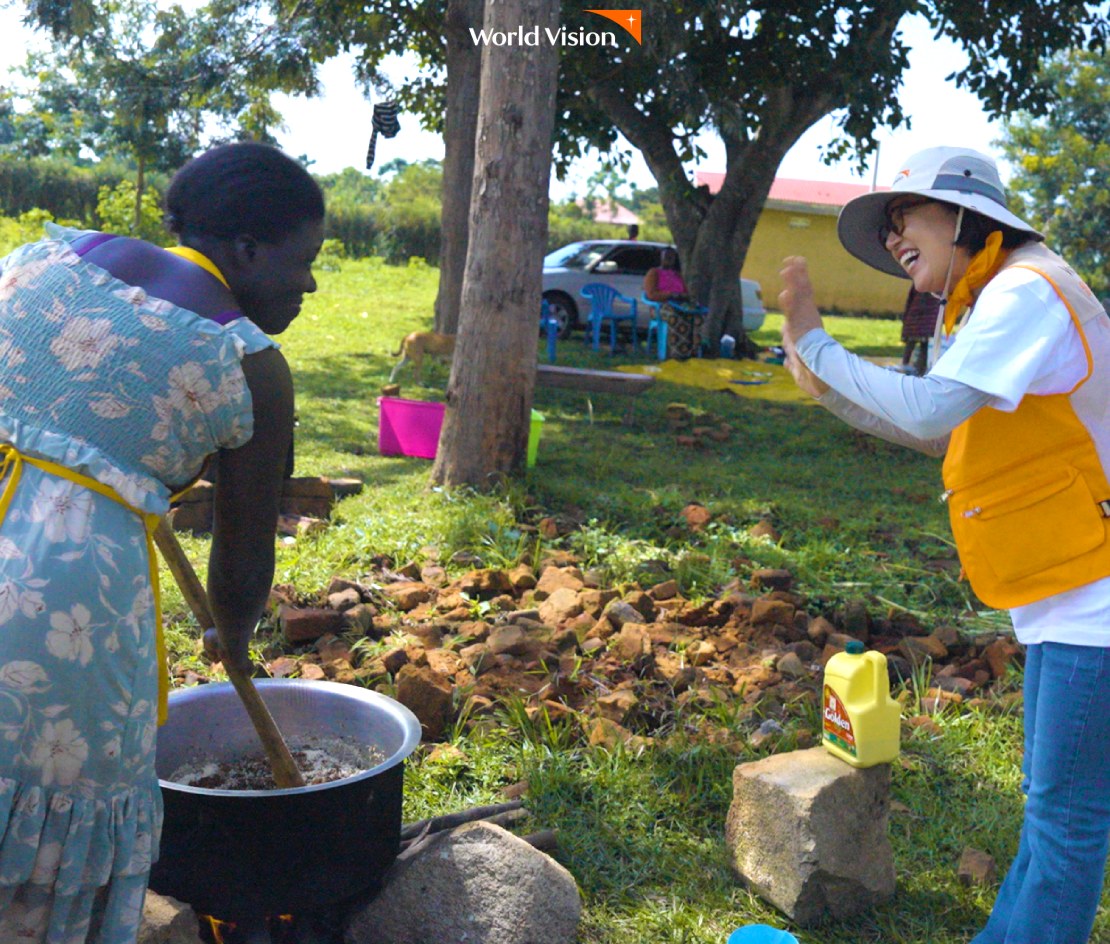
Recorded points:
(561, 307)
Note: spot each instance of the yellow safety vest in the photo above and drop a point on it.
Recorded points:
(1027, 491)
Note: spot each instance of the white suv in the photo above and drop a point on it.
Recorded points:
(621, 263)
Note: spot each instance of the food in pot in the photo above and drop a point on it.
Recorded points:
(320, 760)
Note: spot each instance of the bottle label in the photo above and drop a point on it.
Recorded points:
(837, 724)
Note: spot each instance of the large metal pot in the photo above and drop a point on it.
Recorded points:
(241, 854)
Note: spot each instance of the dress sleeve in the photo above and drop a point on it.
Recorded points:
(249, 338)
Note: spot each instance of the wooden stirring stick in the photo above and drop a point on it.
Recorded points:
(281, 761)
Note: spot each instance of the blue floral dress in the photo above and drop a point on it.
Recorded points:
(133, 393)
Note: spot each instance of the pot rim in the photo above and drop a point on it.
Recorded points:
(407, 721)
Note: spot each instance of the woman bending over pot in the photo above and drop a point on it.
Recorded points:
(123, 367)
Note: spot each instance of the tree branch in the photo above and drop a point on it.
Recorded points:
(655, 140)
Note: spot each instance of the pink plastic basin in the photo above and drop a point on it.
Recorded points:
(409, 427)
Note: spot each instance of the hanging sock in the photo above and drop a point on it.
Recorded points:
(385, 123)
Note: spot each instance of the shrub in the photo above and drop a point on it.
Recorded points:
(332, 252)
(116, 208)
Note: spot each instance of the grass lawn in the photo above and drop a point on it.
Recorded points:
(643, 833)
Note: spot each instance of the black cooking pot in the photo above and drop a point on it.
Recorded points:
(241, 854)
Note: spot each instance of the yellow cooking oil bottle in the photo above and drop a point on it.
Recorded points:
(860, 721)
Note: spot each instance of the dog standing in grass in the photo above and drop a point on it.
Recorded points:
(417, 345)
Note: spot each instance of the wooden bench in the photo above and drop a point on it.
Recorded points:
(593, 381)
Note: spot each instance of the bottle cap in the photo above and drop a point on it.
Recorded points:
(854, 647)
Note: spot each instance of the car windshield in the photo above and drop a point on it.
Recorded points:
(575, 256)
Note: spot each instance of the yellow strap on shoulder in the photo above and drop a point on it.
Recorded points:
(13, 461)
(200, 259)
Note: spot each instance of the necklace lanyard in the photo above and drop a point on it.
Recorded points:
(200, 259)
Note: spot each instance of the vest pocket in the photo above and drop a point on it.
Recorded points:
(1021, 533)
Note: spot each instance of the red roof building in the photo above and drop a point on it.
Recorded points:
(609, 211)
(799, 219)
(789, 191)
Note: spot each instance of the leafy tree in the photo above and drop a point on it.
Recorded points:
(759, 74)
(350, 185)
(116, 208)
(126, 78)
(1062, 163)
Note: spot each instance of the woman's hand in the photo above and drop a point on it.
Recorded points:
(796, 300)
(802, 316)
(217, 652)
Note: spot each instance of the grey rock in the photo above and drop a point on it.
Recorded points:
(808, 833)
(620, 612)
(167, 921)
(476, 884)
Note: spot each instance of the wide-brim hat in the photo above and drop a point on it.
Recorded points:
(959, 176)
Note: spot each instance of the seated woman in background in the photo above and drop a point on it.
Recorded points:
(664, 284)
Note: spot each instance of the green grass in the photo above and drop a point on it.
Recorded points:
(642, 832)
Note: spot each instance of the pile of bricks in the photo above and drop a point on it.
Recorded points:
(306, 504)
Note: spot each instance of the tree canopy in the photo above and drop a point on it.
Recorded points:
(127, 78)
(1062, 163)
(757, 73)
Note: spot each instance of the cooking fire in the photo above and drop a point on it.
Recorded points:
(280, 929)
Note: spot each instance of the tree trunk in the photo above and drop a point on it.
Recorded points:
(140, 186)
(489, 395)
(716, 258)
(712, 233)
(464, 69)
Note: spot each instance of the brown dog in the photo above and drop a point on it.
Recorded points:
(419, 343)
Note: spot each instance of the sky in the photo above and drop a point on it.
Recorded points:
(333, 130)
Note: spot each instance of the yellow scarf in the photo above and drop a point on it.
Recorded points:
(982, 268)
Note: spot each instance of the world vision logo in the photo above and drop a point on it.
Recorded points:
(628, 20)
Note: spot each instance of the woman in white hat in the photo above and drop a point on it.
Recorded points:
(1019, 406)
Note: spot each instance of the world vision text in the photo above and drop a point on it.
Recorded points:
(534, 36)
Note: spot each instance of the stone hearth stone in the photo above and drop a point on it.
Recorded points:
(808, 833)
(477, 884)
(167, 921)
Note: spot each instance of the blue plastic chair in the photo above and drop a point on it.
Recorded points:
(550, 326)
(657, 324)
(601, 307)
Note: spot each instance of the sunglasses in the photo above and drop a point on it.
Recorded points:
(894, 217)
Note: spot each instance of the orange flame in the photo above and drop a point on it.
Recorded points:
(214, 925)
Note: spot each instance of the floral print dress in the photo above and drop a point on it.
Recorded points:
(134, 393)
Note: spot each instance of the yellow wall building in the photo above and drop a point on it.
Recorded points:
(799, 219)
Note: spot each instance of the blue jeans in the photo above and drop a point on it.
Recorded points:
(1052, 890)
